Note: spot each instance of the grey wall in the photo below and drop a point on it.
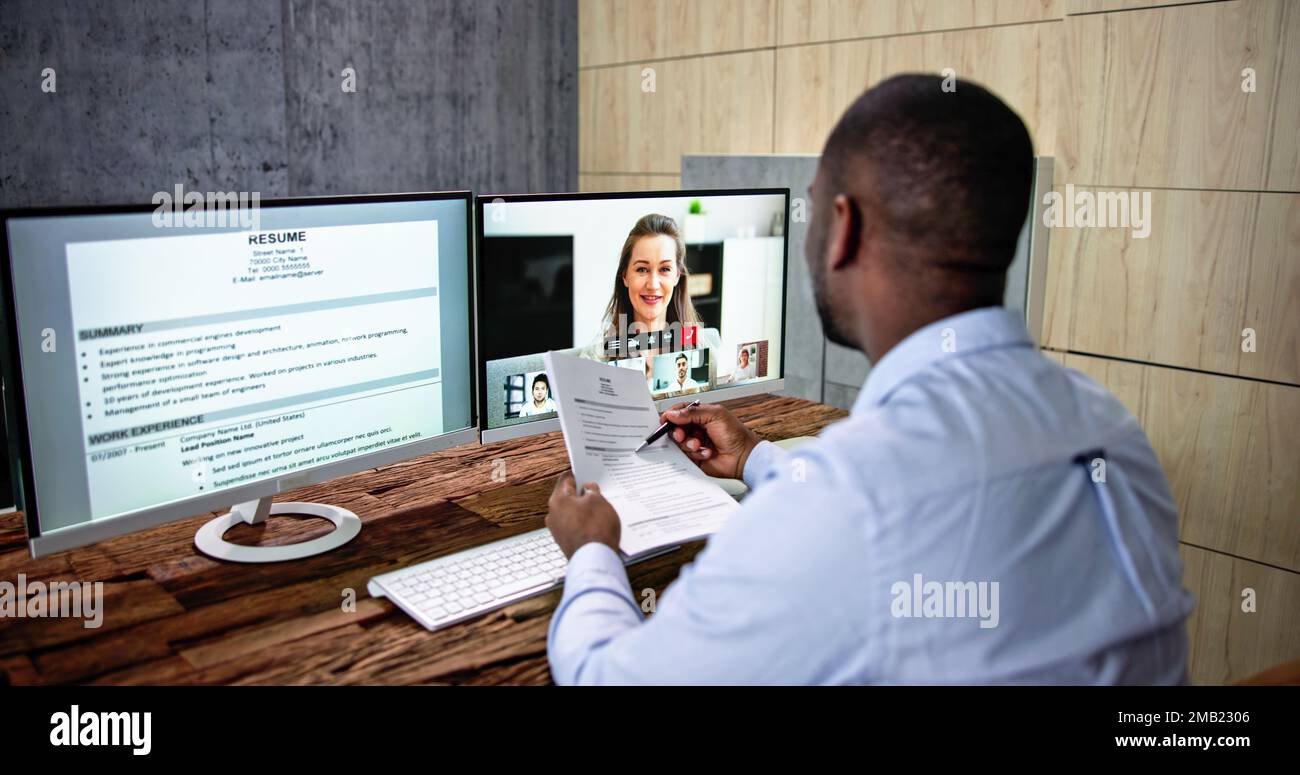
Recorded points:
(245, 95)
(805, 344)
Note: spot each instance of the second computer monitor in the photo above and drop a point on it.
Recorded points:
(688, 287)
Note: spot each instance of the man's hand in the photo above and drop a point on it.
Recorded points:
(712, 437)
(580, 518)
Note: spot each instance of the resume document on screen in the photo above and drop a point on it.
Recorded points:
(215, 360)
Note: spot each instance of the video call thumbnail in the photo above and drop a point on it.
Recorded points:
(529, 395)
(687, 288)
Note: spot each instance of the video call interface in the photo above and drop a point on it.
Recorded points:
(686, 289)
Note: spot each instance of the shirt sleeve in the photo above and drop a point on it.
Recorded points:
(765, 462)
(597, 605)
(749, 609)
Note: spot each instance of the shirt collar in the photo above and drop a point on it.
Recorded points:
(971, 332)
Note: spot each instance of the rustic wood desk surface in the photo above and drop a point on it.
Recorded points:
(172, 615)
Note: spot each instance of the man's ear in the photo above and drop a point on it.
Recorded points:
(845, 232)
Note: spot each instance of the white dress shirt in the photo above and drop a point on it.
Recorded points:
(530, 409)
(984, 515)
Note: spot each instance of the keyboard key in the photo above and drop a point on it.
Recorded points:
(526, 582)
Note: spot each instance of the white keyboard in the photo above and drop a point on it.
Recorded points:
(459, 586)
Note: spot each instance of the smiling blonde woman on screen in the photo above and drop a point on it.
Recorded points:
(649, 293)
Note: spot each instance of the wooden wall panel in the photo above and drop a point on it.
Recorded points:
(816, 21)
(1156, 98)
(717, 104)
(622, 31)
(1108, 5)
(1141, 94)
(1098, 6)
(628, 182)
(1215, 263)
(1229, 644)
(814, 84)
(1229, 449)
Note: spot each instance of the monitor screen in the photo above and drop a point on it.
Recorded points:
(688, 288)
(188, 366)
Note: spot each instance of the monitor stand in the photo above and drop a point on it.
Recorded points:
(210, 541)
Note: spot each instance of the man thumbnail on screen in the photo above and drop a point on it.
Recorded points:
(680, 373)
(529, 395)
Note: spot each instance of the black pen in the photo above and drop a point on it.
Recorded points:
(662, 429)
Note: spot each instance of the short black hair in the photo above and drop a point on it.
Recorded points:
(948, 169)
(541, 378)
(682, 357)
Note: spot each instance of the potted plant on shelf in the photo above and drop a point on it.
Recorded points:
(695, 229)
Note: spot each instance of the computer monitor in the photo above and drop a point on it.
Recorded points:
(688, 286)
(166, 362)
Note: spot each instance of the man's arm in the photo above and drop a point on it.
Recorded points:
(597, 607)
(751, 608)
(598, 600)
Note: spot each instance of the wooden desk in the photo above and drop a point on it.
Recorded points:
(172, 615)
